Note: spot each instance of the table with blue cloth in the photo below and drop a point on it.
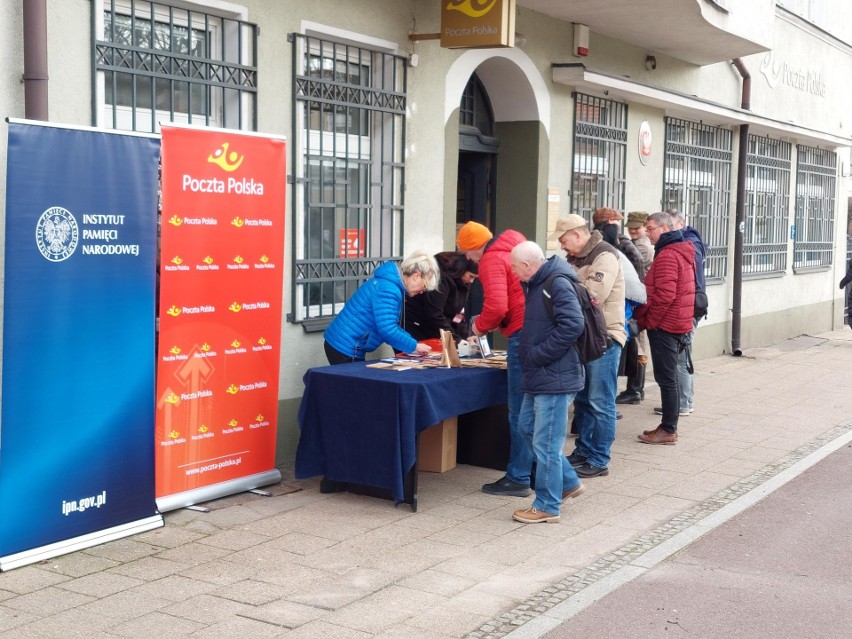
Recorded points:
(360, 425)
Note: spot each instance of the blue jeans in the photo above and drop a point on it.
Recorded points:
(594, 408)
(520, 454)
(684, 377)
(542, 422)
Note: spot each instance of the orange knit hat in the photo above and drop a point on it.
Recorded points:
(473, 236)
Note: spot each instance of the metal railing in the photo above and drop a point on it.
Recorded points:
(348, 152)
(697, 182)
(816, 181)
(767, 205)
(153, 61)
(600, 155)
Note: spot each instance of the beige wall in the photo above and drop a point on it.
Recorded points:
(536, 150)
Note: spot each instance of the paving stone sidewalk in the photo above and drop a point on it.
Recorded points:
(300, 564)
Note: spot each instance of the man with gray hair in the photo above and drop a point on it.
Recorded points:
(667, 316)
(685, 370)
(551, 373)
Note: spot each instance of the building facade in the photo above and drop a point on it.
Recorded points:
(733, 113)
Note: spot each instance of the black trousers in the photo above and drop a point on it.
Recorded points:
(665, 348)
(334, 356)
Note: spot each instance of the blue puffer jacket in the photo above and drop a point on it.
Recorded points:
(371, 317)
(549, 361)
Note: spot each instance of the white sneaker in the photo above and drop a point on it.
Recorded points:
(683, 412)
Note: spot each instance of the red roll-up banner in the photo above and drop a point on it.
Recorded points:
(221, 275)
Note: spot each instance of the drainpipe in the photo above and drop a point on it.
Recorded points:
(742, 160)
(35, 59)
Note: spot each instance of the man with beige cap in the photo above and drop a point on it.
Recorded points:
(598, 267)
(503, 310)
(637, 360)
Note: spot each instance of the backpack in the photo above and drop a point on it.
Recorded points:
(592, 343)
(699, 308)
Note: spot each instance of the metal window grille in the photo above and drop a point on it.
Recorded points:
(816, 181)
(767, 205)
(600, 154)
(697, 182)
(161, 62)
(349, 167)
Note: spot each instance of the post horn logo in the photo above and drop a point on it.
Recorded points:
(229, 162)
(472, 8)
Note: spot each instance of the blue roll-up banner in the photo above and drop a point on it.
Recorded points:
(76, 460)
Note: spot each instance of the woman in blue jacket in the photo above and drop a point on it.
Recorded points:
(371, 316)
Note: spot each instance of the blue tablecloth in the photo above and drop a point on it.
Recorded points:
(360, 424)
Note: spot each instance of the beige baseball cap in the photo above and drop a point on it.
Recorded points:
(568, 223)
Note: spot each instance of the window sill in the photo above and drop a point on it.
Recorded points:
(801, 270)
(314, 325)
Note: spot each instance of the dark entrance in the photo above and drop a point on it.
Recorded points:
(477, 172)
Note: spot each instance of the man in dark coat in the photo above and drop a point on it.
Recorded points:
(551, 374)
(667, 316)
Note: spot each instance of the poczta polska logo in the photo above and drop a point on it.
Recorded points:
(472, 8)
(57, 234)
(229, 161)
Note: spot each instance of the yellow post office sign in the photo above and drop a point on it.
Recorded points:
(471, 24)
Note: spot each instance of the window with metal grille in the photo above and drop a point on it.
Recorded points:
(816, 181)
(156, 62)
(697, 182)
(349, 168)
(767, 205)
(600, 155)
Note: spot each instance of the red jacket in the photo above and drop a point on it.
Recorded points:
(670, 285)
(503, 308)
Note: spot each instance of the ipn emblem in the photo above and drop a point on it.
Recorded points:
(57, 234)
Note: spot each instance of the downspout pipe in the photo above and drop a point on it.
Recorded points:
(35, 59)
(739, 231)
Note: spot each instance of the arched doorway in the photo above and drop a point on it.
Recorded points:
(478, 147)
(497, 110)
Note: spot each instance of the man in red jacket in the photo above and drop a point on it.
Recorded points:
(667, 316)
(503, 310)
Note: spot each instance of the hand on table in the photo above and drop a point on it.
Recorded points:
(422, 349)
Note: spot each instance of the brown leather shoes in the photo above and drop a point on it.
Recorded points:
(574, 492)
(658, 436)
(534, 516)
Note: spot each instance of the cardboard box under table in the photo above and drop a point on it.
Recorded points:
(438, 445)
(360, 426)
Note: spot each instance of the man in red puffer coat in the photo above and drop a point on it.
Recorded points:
(667, 316)
(502, 310)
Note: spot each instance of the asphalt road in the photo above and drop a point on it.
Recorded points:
(780, 569)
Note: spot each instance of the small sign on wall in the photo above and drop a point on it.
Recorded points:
(352, 243)
(645, 142)
(470, 24)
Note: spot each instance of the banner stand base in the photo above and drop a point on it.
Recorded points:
(82, 542)
(215, 491)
